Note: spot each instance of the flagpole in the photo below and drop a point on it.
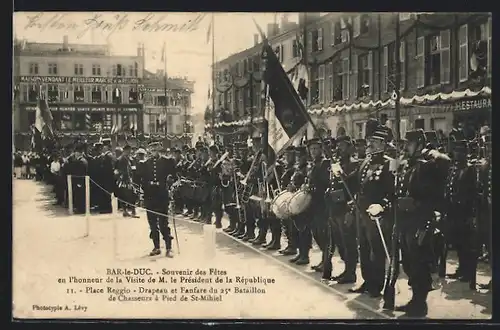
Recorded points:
(213, 76)
(165, 77)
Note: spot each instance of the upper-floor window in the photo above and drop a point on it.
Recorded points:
(345, 78)
(96, 70)
(78, 69)
(335, 33)
(365, 74)
(33, 68)
(321, 84)
(119, 70)
(133, 70)
(52, 68)
(433, 59)
(319, 40)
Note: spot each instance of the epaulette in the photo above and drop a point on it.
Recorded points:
(143, 160)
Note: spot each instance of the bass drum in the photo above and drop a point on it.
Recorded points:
(279, 205)
(299, 202)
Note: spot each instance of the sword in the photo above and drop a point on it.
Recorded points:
(386, 250)
(175, 229)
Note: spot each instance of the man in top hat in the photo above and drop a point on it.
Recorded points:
(300, 222)
(460, 206)
(417, 198)
(156, 175)
(124, 182)
(342, 226)
(374, 186)
(203, 193)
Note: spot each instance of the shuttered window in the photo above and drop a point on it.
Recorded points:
(385, 70)
(421, 62)
(444, 46)
(355, 76)
(402, 60)
(463, 53)
(320, 39)
(345, 78)
(321, 84)
(370, 68)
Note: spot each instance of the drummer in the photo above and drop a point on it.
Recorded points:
(291, 232)
(300, 222)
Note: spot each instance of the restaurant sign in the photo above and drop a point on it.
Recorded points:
(472, 104)
(83, 109)
(78, 80)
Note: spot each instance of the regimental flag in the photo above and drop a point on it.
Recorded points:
(286, 114)
(209, 30)
(43, 119)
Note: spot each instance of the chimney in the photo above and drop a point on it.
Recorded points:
(270, 30)
(255, 39)
(65, 43)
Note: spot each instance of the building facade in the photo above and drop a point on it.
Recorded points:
(167, 107)
(445, 68)
(89, 91)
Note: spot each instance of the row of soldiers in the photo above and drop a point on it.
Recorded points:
(368, 203)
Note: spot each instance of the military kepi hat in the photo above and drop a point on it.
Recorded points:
(417, 135)
(380, 133)
(313, 141)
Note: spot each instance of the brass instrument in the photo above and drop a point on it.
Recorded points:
(247, 188)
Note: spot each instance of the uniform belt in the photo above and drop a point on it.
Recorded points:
(154, 183)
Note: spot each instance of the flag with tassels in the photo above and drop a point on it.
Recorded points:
(286, 115)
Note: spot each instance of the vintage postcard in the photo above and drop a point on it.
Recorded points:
(251, 165)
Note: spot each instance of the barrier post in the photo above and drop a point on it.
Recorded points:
(70, 195)
(209, 241)
(114, 203)
(87, 205)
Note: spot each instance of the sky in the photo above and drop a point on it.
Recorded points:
(188, 53)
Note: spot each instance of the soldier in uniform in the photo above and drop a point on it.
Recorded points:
(373, 182)
(289, 229)
(79, 169)
(360, 149)
(229, 191)
(300, 221)
(485, 214)
(214, 183)
(156, 174)
(342, 225)
(317, 183)
(204, 177)
(416, 204)
(94, 168)
(460, 205)
(124, 182)
(178, 200)
(105, 177)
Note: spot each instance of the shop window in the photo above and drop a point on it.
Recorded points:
(66, 121)
(32, 94)
(79, 121)
(79, 94)
(97, 120)
(133, 96)
(117, 96)
(420, 124)
(161, 101)
(53, 93)
(96, 94)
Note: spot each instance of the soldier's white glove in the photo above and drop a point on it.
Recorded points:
(116, 172)
(394, 164)
(375, 209)
(437, 216)
(336, 169)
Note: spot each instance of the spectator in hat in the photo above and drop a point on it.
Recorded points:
(124, 183)
(79, 169)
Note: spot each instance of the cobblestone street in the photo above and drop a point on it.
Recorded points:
(50, 245)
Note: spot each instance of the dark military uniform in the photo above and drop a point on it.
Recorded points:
(416, 195)
(290, 230)
(124, 182)
(79, 169)
(215, 186)
(318, 181)
(342, 225)
(156, 171)
(106, 179)
(94, 169)
(301, 222)
(228, 193)
(460, 205)
(373, 183)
